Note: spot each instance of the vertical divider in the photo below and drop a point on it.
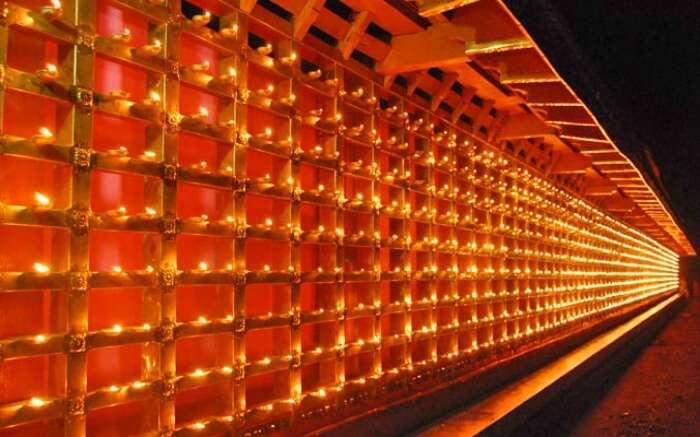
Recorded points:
(169, 226)
(239, 205)
(340, 254)
(78, 284)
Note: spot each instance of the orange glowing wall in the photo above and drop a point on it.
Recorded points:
(203, 233)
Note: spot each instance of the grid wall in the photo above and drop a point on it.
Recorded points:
(206, 226)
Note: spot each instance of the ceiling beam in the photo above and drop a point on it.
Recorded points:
(617, 203)
(352, 38)
(571, 163)
(529, 79)
(414, 81)
(440, 45)
(389, 80)
(481, 117)
(247, 5)
(518, 126)
(600, 189)
(586, 139)
(497, 46)
(448, 80)
(467, 96)
(428, 8)
(304, 19)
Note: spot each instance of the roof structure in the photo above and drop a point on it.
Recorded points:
(457, 54)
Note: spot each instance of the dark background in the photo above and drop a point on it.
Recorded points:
(647, 52)
(635, 64)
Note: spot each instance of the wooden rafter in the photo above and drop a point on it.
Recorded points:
(448, 80)
(467, 96)
(389, 80)
(354, 34)
(519, 126)
(438, 46)
(618, 203)
(428, 8)
(600, 188)
(304, 19)
(571, 163)
(247, 5)
(523, 79)
(414, 81)
(498, 123)
(497, 46)
(480, 119)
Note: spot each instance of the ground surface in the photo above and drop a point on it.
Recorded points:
(659, 393)
(652, 389)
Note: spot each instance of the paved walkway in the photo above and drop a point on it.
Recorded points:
(654, 391)
(659, 393)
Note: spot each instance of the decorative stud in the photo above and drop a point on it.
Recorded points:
(239, 325)
(79, 221)
(167, 279)
(169, 226)
(76, 343)
(166, 331)
(167, 388)
(172, 122)
(81, 157)
(79, 282)
(86, 39)
(82, 97)
(75, 406)
(170, 173)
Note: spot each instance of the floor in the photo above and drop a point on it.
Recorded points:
(654, 391)
(659, 393)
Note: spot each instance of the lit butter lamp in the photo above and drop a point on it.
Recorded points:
(201, 20)
(116, 101)
(48, 75)
(312, 117)
(390, 111)
(41, 200)
(229, 32)
(289, 60)
(198, 73)
(197, 121)
(201, 167)
(53, 10)
(226, 80)
(266, 136)
(284, 103)
(288, 100)
(148, 108)
(148, 50)
(268, 91)
(264, 50)
(264, 183)
(120, 151)
(331, 83)
(331, 122)
(124, 37)
(117, 213)
(44, 136)
(355, 131)
(314, 74)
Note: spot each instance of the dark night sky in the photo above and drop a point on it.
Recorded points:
(647, 52)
